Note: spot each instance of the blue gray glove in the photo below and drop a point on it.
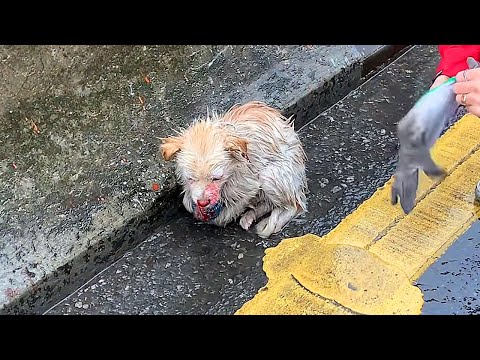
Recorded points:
(417, 131)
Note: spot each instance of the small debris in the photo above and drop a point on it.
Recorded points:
(352, 286)
(147, 80)
(336, 189)
(14, 166)
(78, 304)
(240, 256)
(12, 292)
(85, 306)
(155, 187)
(35, 128)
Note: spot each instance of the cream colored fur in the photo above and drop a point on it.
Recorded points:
(255, 159)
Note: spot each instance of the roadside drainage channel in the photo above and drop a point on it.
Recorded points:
(375, 57)
(67, 278)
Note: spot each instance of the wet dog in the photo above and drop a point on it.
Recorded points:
(244, 164)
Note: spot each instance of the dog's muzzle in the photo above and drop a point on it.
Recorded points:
(207, 213)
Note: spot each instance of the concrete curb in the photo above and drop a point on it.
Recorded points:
(112, 244)
(341, 83)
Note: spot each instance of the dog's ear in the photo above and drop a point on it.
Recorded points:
(170, 146)
(236, 146)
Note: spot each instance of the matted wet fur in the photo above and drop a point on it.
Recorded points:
(244, 164)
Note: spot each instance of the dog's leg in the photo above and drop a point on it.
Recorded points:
(249, 217)
(229, 214)
(275, 222)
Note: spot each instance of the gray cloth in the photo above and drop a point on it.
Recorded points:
(461, 111)
(418, 130)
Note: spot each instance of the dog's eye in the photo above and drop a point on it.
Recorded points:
(190, 179)
(216, 178)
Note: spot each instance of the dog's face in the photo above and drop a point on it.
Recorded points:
(206, 155)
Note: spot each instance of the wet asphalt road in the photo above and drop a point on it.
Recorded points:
(192, 268)
(452, 284)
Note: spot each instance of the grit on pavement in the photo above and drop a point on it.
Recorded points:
(190, 268)
(80, 179)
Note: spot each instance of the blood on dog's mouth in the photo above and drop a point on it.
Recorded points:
(207, 213)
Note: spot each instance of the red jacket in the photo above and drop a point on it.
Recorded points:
(453, 58)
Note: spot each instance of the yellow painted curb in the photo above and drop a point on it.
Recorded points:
(366, 265)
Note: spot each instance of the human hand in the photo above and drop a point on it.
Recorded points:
(439, 80)
(467, 87)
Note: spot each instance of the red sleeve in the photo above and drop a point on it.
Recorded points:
(453, 58)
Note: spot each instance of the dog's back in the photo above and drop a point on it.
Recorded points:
(270, 135)
(276, 152)
(261, 162)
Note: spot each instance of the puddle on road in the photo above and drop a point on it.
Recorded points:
(451, 286)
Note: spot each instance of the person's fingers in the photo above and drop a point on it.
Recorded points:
(474, 109)
(461, 76)
(468, 75)
(461, 99)
(466, 87)
(471, 99)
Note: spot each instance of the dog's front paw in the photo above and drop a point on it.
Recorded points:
(247, 219)
(264, 228)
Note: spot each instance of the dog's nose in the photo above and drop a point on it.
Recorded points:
(203, 203)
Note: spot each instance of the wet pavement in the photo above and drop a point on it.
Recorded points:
(192, 268)
(80, 142)
(369, 262)
(451, 285)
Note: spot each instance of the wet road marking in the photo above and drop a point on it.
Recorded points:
(367, 264)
